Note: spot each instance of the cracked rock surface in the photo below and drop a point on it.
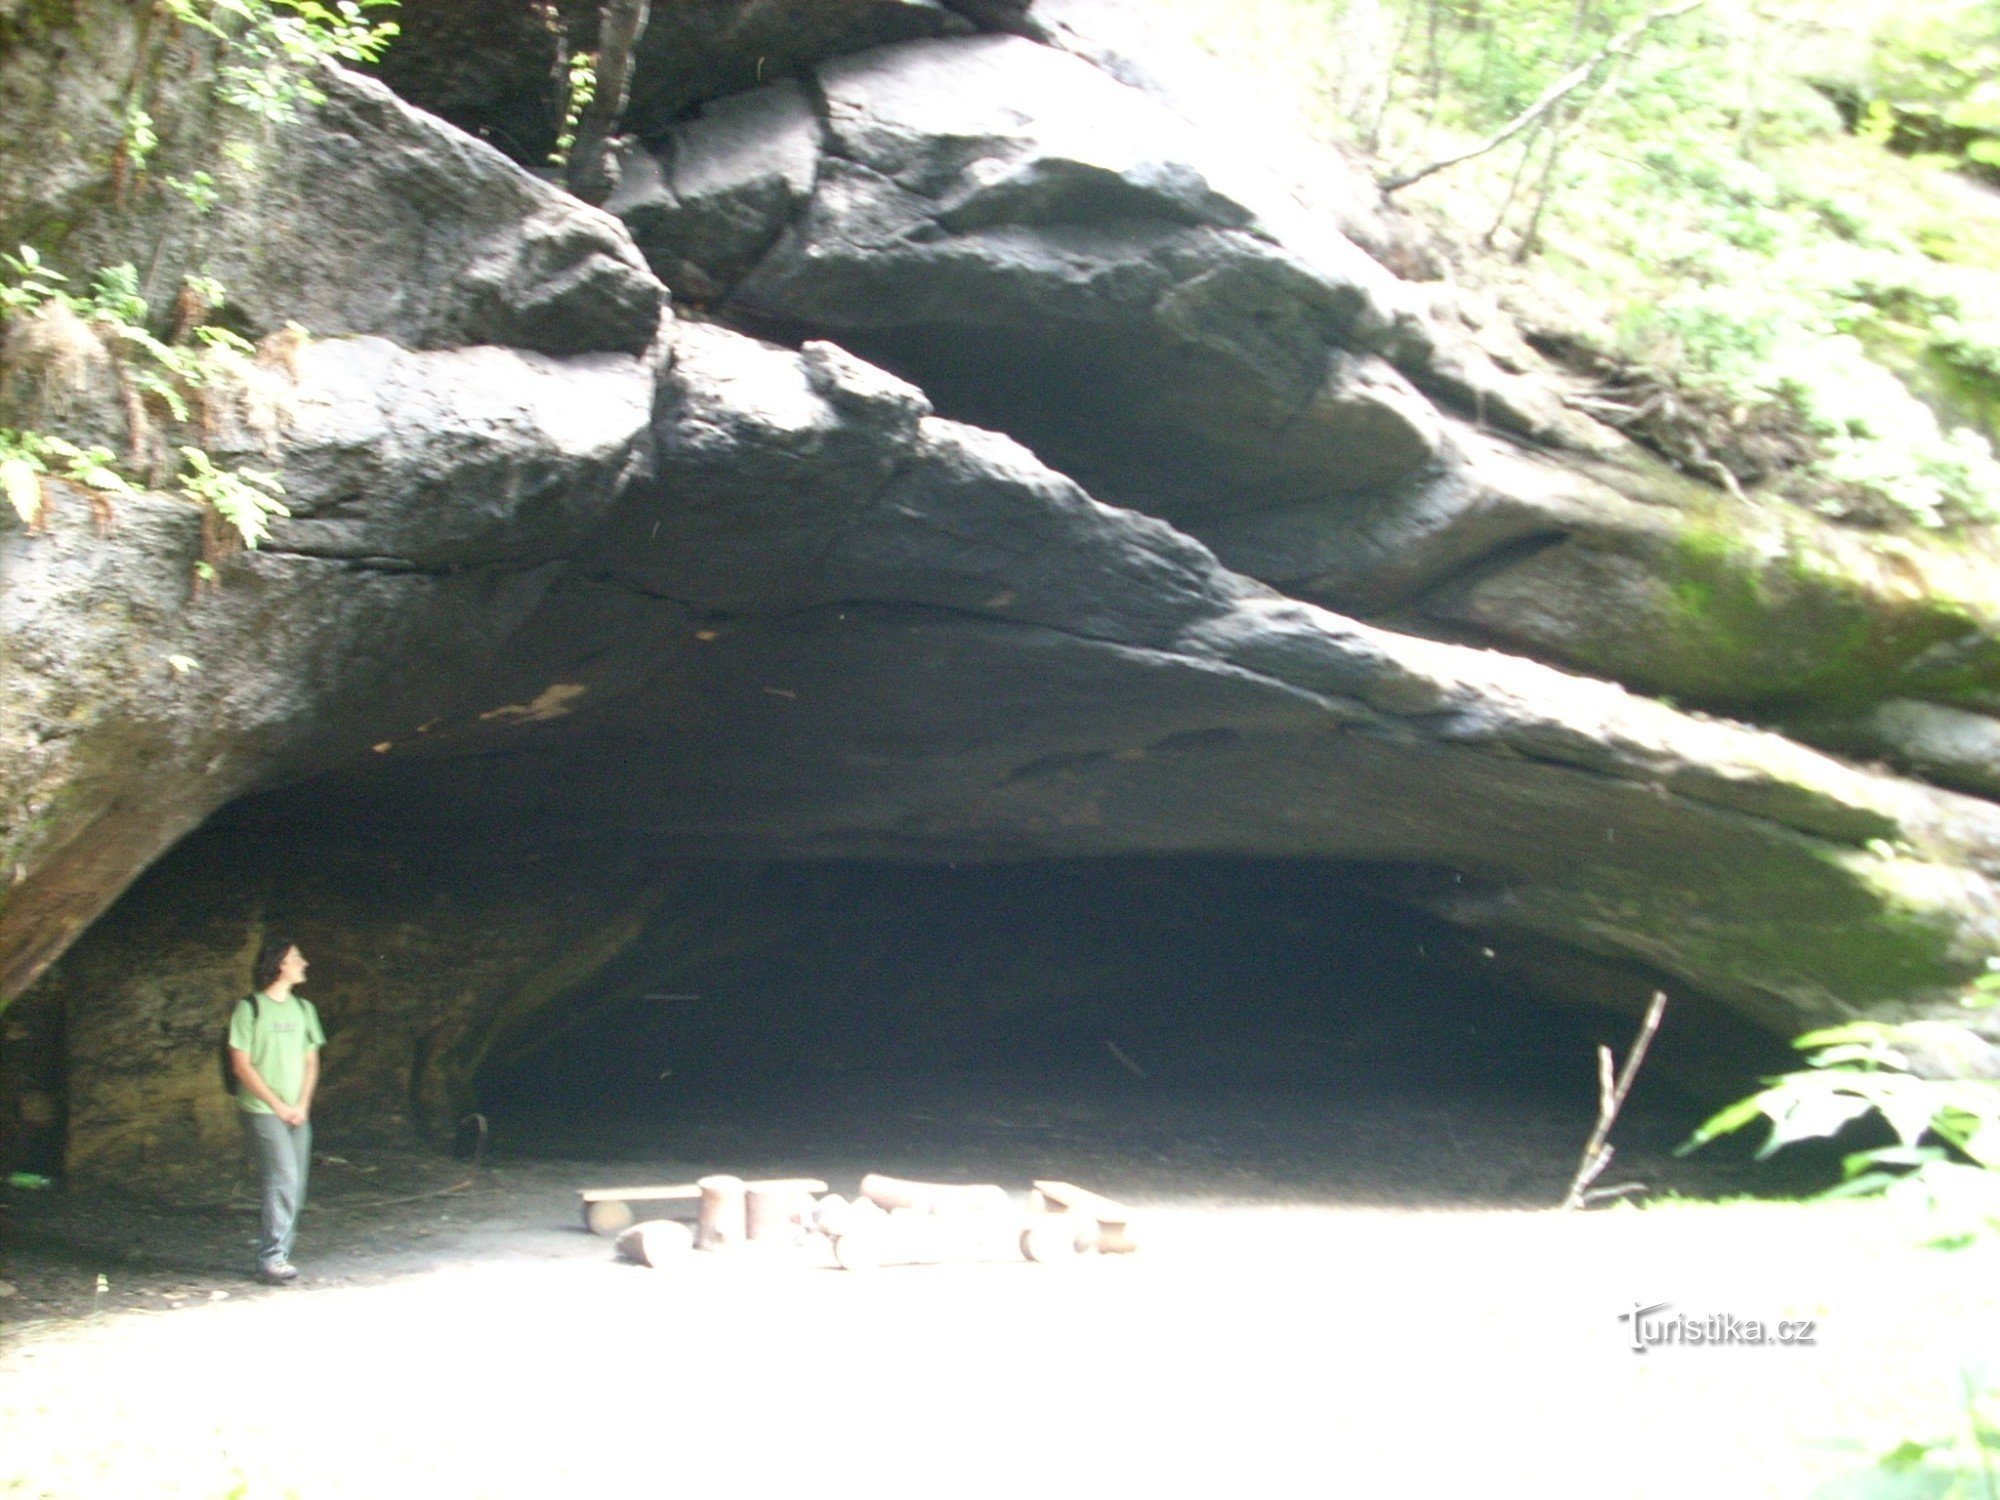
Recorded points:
(1017, 480)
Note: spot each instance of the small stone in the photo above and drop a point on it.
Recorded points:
(8, 1289)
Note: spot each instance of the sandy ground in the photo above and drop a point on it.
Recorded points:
(1286, 1329)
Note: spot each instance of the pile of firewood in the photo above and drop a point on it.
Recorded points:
(889, 1222)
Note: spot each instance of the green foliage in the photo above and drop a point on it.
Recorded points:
(1934, 79)
(273, 46)
(1947, 1152)
(1698, 207)
(172, 374)
(1945, 1164)
(28, 282)
(198, 188)
(141, 140)
(26, 456)
(244, 498)
(582, 88)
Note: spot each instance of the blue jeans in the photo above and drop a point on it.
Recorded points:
(283, 1154)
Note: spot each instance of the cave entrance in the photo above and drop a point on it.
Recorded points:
(1218, 1027)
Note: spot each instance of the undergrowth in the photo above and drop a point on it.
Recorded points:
(1713, 226)
(1943, 1167)
(168, 368)
(161, 383)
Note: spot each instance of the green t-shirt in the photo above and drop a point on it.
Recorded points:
(278, 1040)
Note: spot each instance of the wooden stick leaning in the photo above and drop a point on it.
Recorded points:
(1611, 1095)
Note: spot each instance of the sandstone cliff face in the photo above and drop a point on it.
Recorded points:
(1019, 478)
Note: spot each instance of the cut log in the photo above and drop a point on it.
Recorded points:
(1054, 1239)
(868, 1236)
(609, 1211)
(777, 1211)
(1115, 1234)
(686, 1190)
(606, 1216)
(935, 1197)
(722, 1224)
(860, 1248)
(656, 1242)
(831, 1214)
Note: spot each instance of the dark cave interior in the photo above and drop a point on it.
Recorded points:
(597, 1001)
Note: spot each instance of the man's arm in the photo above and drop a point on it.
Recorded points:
(311, 1083)
(253, 1081)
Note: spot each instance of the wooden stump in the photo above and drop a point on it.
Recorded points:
(830, 1214)
(777, 1211)
(722, 1225)
(861, 1248)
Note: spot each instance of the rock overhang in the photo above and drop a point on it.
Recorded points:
(634, 580)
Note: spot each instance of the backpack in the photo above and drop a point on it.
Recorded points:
(230, 1082)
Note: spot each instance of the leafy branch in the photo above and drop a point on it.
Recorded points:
(1947, 1152)
(273, 46)
(245, 499)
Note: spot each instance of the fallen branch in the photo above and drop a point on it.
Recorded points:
(1611, 1095)
(1553, 95)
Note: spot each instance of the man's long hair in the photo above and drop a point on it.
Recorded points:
(270, 958)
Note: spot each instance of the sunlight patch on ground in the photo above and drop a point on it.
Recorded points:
(1244, 1350)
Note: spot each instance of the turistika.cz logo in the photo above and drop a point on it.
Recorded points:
(1653, 1327)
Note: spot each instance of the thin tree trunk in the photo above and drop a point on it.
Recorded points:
(1433, 64)
(1565, 132)
(1558, 139)
(1553, 95)
(1513, 189)
(1374, 137)
(619, 27)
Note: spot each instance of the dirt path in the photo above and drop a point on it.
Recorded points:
(1272, 1338)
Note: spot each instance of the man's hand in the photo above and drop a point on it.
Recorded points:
(291, 1114)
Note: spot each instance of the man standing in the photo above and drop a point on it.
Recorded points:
(274, 1042)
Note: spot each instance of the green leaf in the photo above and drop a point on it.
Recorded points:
(1811, 1115)
(215, 337)
(1908, 1454)
(23, 488)
(1864, 1033)
(1725, 1121)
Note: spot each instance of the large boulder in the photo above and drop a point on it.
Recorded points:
(768, 654)
(1158, 320)
(433, 484)
(433, 495)
(497, 69)
(355, 214)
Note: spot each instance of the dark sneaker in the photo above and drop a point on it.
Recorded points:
(278, 1273)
